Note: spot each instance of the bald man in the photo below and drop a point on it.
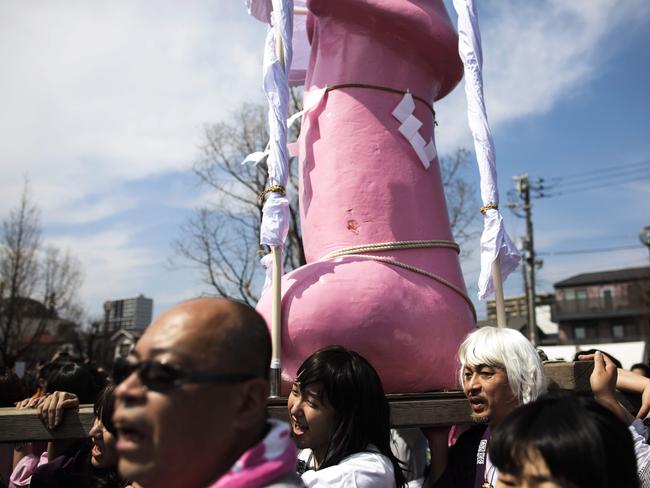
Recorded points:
(191, 409)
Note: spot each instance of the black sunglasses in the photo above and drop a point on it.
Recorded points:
(159, 376)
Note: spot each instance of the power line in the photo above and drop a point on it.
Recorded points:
(629, 179)
(603, 177)
(589, 251)
(599, 170)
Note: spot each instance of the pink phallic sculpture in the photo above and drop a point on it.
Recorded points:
(362, 183)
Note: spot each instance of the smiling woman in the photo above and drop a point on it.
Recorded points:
(88, 463)
(103, 456)
(341, 419)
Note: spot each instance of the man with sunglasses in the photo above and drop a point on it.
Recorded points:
(191, 406)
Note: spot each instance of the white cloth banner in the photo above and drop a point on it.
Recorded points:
(261, 10)
(275, 213)
(495, 242)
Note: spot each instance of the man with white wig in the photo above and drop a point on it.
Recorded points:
(499, 370)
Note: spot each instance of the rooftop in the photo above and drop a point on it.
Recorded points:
(601, 277)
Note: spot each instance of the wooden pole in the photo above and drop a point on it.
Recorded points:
(276, 322)
(276, 290)
(498, 293)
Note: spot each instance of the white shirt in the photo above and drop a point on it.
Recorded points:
(642, 452)
(368, 469)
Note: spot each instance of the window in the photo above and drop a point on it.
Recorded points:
(125, 348)
(607, 294)
(625, 331)
(585, 330)
(618, 331)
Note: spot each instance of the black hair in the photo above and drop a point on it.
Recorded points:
(644, 367)
(352, 387)
(104, 407)
(577, 355)
(583, 443)
(74, 378)
(11, 388)
(48, 369)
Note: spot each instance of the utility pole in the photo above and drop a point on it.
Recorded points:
(523, 188)
(644, 237)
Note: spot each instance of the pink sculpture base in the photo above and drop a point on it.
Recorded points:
(407, 325)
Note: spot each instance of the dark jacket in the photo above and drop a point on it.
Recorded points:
(461, 465)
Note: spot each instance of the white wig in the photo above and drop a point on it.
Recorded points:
(510, 350)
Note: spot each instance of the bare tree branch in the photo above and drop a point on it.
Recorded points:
(36, 286)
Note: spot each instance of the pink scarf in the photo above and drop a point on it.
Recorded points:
(264, 463)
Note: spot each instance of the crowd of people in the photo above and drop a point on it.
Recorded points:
(188, 408)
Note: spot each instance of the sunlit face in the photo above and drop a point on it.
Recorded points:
(535, 474)
(103, 454)
(180, 437)
(312, 420)
(489, 393)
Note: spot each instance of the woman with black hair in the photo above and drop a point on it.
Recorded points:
(103, 456)
(92, 463)
(85, 463)
(563, 440)
(65, 384)
(340, 417)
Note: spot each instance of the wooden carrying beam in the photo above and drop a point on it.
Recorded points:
(24, 425)
(407, 410)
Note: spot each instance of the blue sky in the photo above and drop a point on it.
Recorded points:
(102, 105)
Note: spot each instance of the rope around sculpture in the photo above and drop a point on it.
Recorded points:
(358, 252)
(386, 89)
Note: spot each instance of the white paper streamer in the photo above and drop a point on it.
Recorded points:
(267, 262)
(312, 100)
(275, 212)
(275, 218)
(495, 242)
(261, 10)
(410, 130)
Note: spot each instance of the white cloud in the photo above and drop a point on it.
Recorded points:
(113, 266)
(97, 94)
(536, 54)
(74, 212)
(94, 94)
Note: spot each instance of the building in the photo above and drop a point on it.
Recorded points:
(123, 342)
(606, 306)
(132, 314)
(37, 332)
(517, 316)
